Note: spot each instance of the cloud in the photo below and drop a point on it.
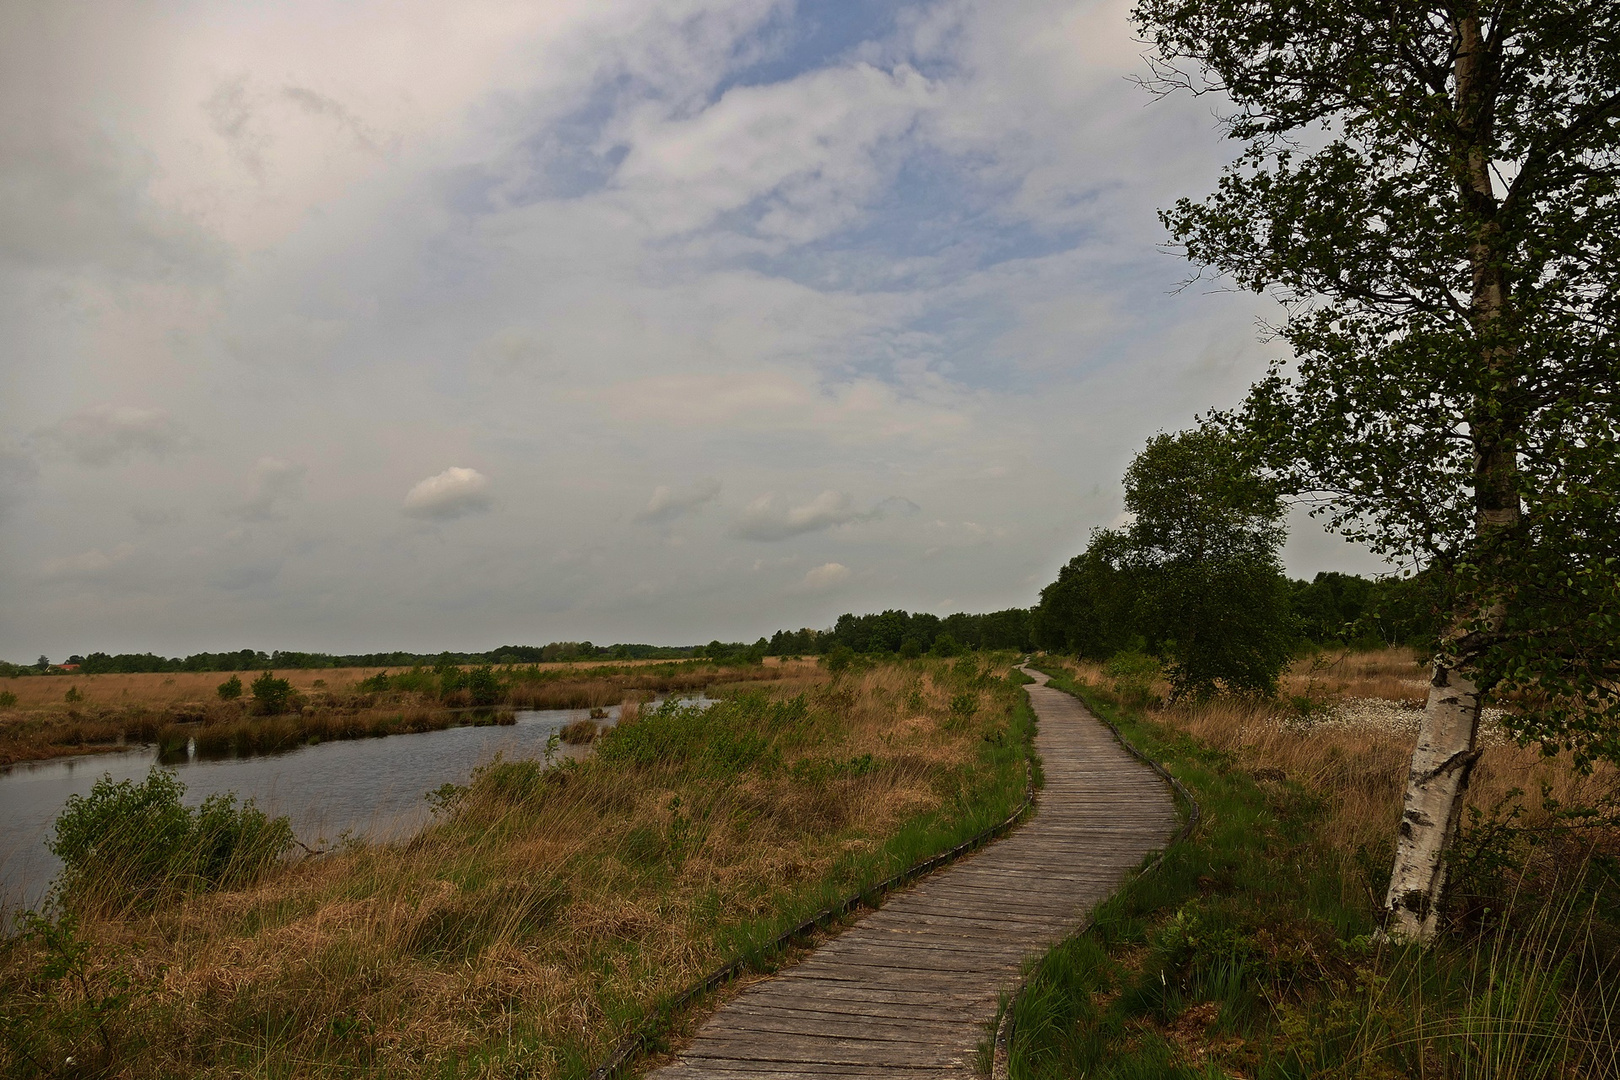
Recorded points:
(824, 577)
(454, 493)
(669, 503)
(765, 521)
(592, 246)
(90, 564)
(17, 475)
(892, 506)
(804, 156)
(277, 482)
(106, 434)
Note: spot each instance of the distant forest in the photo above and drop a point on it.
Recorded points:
(1331, 609)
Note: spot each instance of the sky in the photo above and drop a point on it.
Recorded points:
(413, 325)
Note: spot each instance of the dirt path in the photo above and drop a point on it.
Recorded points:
(908, 990)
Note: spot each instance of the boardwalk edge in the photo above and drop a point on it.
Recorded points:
(1000, 1061)
(634, 1042)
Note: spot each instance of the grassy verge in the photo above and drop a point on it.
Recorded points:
(1250, 951)
(547, 911)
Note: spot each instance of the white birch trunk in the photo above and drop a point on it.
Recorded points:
(1441, 765)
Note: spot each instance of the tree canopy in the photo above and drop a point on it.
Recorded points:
(1434, 191)
(1195, 576)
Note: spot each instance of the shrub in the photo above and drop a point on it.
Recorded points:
(839, 657)
(271, 696)
(483, 686)
(73, 696)
(141, 841)
(376, 684)
(8, 700)
(230, 689)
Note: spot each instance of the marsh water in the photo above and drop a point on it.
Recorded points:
(365, 787)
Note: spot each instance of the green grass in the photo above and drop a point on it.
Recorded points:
(1244, 954)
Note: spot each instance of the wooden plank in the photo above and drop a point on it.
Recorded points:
(907, 990)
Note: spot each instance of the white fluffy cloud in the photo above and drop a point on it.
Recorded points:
(454, 493)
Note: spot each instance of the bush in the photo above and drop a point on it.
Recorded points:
(376, 684)
(8, 700)
(839, 657)
(141, 841)
(230, 689)
(483, 686)
(271, 696)
(73, 696)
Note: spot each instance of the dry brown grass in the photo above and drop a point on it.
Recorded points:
(521, 934)
(1355, 755)
(156, 688)
(120, 710)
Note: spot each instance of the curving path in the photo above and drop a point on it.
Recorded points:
(908, 990)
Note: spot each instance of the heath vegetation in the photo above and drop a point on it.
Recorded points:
(1253, 950)
(544, 910)
(276, 710)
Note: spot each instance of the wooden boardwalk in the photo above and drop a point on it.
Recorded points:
(908, 990)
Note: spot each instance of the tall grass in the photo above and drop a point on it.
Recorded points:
(1250, 951)
(546, 909)
(356, 704)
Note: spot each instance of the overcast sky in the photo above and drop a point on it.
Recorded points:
(425, 325)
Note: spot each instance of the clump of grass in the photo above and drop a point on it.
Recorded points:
(545, 910)
(579, 732)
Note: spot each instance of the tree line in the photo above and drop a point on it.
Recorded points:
(100, 663)
(1095, 608)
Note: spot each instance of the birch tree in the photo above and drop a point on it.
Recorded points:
(1433, 191)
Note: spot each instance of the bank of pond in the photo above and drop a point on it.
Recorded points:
(328, 789)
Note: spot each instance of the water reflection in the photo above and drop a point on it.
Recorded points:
(364, 787)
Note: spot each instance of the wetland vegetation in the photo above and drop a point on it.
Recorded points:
(275, 711)
(1253, 949)
(544, 910)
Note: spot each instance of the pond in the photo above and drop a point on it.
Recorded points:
(365, 787)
